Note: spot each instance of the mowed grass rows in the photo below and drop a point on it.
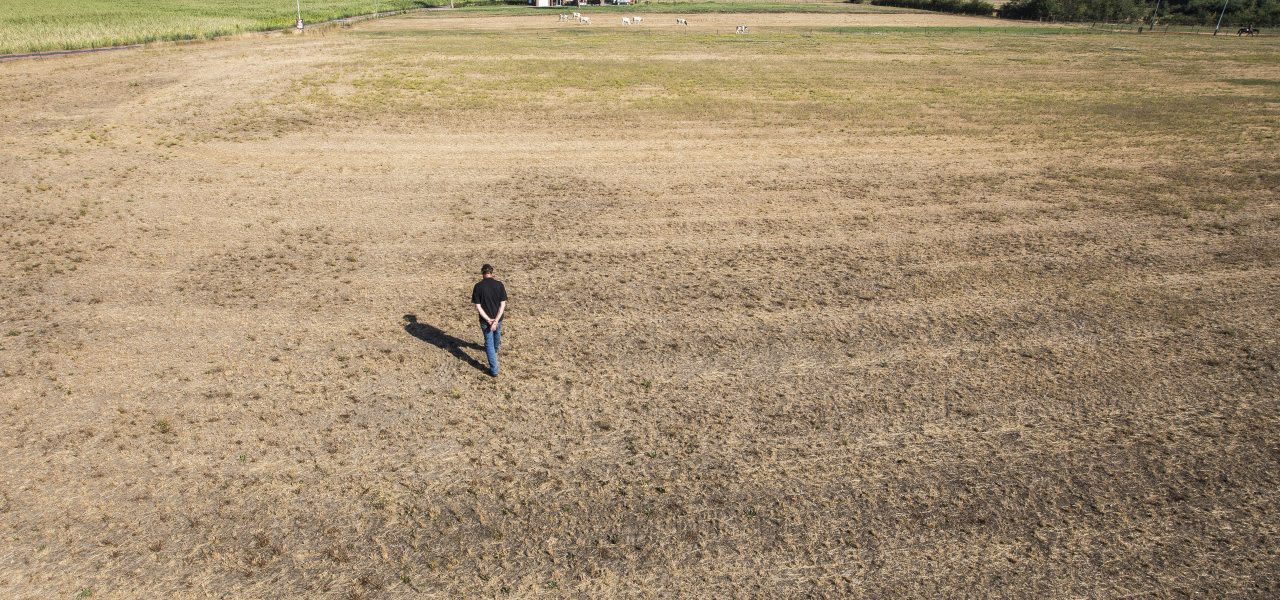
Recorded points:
(833, 309)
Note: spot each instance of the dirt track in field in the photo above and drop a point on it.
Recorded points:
(797, 314)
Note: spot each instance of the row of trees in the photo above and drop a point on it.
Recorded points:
(1074, 10)
(1263, 13)
(964, 7)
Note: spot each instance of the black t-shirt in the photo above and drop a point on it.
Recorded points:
(489, 293)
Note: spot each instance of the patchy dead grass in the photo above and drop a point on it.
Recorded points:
(829, 310)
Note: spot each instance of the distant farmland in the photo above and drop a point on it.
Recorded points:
(37, 25)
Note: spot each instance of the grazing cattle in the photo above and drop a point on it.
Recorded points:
(637, 20)
(1247, 30)
(577, 16)
(586, 20)
(564, 17)
(742, 29)
(682, 21)
(626, 21)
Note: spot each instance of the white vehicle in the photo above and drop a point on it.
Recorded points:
(622, 2)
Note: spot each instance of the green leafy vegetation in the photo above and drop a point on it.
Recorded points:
(1205, 12)
(1182, 12)
(964, 7)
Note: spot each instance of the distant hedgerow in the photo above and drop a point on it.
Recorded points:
(1263, 13)
(1074, 10)
(964, 7)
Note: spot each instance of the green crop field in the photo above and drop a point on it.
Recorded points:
(36, 25)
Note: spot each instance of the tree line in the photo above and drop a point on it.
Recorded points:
(1261, 13)
(964, 7)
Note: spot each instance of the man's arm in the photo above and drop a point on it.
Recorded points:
(480, 309)
(502, 307)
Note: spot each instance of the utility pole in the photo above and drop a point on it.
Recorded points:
(1224, 11)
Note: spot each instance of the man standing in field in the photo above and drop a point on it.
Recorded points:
(490, 298)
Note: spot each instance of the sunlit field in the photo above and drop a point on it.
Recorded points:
(44, 25)
(852, 305)
(37, 25)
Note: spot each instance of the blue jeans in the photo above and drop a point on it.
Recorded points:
(492, 339)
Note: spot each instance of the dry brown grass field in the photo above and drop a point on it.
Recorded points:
(862, 306)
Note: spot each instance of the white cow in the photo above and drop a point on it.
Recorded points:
(577, 16)
(637, 20)
(564, 17)
(682, 21)
(742, 29)
(586, 20)
(626, 20)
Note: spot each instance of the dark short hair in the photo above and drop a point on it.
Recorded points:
(486, 270)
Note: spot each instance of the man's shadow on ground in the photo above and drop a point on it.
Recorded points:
(442, 340)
